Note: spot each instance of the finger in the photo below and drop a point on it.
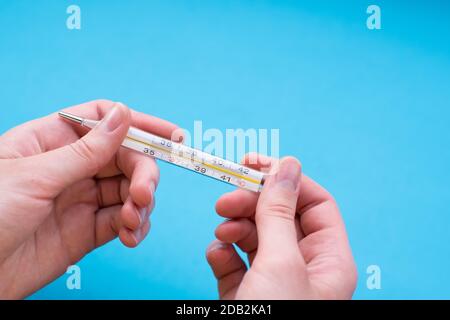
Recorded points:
(259, 162)
(319, 225)
(97, 109)
(143, 174)
(142, 232)
(51, 132)
(321, 220)
(157, 126)
(242, 232)
(276, 210)
(131, 217)
(236, 204)
(132, 238)
(227, 266)
(84, 158)
(40, 133)
(315, 199)
(127, 237)
(107, 224)
(242, 203)
(112, 191)
(323, 237)
(325, 245)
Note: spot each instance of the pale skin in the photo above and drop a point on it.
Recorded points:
(294, 237)
(65, 192)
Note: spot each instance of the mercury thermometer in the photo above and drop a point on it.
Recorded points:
(184, 156)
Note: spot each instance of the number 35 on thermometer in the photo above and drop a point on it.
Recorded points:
(184, 156)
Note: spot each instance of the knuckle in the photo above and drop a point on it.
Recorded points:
(330, 198)
(134, 188)
(83, 151)
(102, 106)
(124, 189)
(283, 262)
(279, 210)
(292, 158)
(103, 102)
(250, 158)
(178, 135)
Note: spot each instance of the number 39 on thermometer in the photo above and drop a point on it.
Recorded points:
(184, 156)
(201, 162)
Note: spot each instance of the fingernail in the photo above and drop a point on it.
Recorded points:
(152, 187)
(217, 245)
(137, 234)
(288, 175)
(149, 210)
(152, 198)
(112, 119)
(143, 213)
(146, 211)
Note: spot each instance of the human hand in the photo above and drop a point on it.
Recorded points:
(65, 192)
(293, 235)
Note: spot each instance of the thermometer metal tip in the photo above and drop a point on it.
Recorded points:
(71, 117)
(183, 156)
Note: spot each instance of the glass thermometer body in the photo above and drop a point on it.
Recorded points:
(184, 156)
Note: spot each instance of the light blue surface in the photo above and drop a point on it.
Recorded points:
(367, 112)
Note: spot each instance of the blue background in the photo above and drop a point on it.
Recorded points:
(367, 112)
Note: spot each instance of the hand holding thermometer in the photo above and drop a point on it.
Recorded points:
(184, 156)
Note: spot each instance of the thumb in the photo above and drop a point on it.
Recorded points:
(276, 209)
(85, 157)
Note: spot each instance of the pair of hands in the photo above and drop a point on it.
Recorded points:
(65, 191)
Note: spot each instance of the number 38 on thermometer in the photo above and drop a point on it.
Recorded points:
(202, 163)
(184, 156)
